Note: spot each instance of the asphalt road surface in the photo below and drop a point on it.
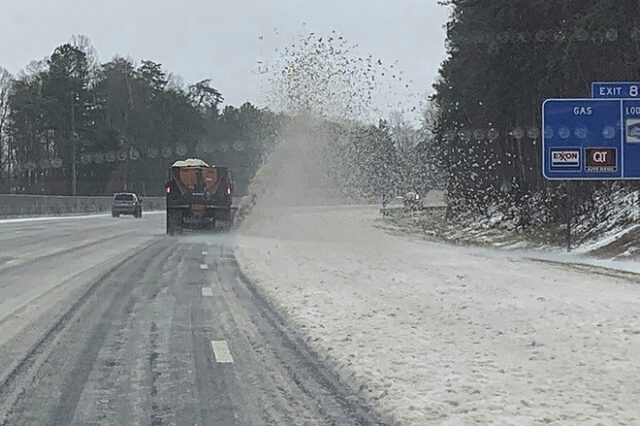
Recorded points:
(110, 322)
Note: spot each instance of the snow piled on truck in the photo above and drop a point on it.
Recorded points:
(190, 162)
(437, 334)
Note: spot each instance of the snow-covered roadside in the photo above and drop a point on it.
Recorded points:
(438, 334)
(607, 229)
(64, 217)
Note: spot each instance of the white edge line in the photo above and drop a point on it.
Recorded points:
(221, 352)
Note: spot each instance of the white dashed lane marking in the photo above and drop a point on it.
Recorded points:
(207, 292)
(204, 266)
(221, 352)
(204, 253)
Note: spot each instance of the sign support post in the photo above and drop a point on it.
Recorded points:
(569, 214)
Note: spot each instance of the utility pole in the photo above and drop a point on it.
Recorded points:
(74, 139)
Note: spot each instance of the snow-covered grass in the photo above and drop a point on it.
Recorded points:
(468, 230)
(438, 334)
(608, 228)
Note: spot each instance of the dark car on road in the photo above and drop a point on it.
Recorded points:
(126, 203)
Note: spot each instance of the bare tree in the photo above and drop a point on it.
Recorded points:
(6, 81)
(174, 82)
(84, 44)
(405, 136)
(429, 118)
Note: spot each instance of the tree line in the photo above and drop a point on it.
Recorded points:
(71, 125)
(504, 59)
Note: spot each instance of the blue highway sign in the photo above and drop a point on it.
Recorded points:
(615, 90)
(591, 139)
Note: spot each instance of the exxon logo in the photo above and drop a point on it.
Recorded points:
(565, 158)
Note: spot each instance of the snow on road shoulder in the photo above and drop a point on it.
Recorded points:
(65, 217)
(437, 334)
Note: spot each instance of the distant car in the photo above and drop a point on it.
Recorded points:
(126, 203)
(412, 201)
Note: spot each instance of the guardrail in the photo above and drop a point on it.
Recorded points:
(57, 205)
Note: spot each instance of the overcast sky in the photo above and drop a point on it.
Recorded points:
(220, 39)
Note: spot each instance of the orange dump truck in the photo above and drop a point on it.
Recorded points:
(199, 196)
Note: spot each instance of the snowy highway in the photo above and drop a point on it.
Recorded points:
(108, 321)
(305, 316)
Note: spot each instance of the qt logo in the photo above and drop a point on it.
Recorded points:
(601, 160)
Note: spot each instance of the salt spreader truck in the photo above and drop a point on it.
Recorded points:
(199, 196)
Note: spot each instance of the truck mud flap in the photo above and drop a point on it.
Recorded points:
(175, 220)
